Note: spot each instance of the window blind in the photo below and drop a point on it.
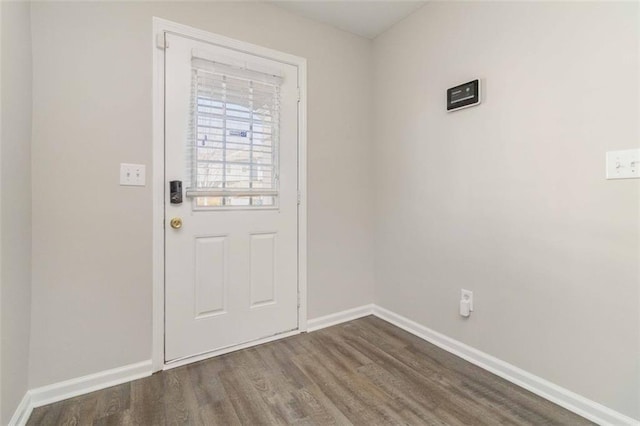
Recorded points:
(232, 153)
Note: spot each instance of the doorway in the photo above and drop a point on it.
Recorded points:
(232, 194)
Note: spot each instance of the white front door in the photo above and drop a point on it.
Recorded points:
(231, 125)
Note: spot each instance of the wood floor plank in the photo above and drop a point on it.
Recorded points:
(79, 411)
(219, 413)
(356, 397)
(415, 384)
(273, 387)
(364, 372)
(147, 401)
(278, 358)
(479, 385)
(47, 415)
(455, 403)
(319, 409)
(180, 403)
(113, 400)
(249, 404)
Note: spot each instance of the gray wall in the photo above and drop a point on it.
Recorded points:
(15, 193)
(92, 110)
(508, 199)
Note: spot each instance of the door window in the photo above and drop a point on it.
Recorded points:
(233, 147)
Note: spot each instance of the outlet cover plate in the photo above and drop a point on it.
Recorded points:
(467, 295)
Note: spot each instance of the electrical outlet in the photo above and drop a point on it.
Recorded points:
(132, 174)
(468, 296)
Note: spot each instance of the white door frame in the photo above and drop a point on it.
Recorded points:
(160, 26)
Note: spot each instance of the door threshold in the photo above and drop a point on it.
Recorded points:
(168, 365)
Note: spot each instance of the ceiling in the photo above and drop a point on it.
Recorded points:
(364, 18)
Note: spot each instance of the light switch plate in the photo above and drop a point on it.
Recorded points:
(132, 174)
(623, 164)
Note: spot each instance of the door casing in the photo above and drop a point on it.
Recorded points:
(160, 26)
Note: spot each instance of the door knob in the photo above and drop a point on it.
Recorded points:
(176, 223)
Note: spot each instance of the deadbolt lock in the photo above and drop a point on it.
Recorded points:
(176, 223)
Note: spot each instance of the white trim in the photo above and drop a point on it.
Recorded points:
(2, 408)
(302, 195)
(207, 355)
(157, 222)
(89, 383)
(578, 404)
(339, 317)
(164, 26)
(23, 411)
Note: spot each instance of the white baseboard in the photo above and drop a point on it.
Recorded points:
(23, 411)
(78, 386)
(578, 404)
(339, 317)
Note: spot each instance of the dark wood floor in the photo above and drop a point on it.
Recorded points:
(364, 372)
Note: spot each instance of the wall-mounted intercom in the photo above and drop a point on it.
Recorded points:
(463, 96)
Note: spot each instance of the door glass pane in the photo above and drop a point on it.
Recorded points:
(234, 141)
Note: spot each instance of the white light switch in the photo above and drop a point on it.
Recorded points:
(132, 174)
(623, 164)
